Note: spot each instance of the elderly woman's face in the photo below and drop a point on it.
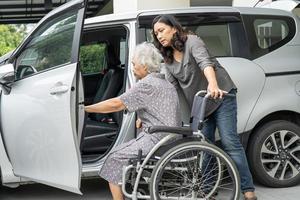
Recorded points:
(164, 33)
(139, 71)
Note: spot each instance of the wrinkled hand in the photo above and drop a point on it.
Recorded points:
(138, 123)
(86, 109)
(215, 91)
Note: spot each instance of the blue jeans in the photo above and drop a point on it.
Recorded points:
(225, 119)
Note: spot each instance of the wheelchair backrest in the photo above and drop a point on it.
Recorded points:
(202, 107)
(196, 113)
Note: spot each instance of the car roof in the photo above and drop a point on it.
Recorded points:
(222, 9)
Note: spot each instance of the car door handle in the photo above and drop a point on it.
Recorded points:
(59, 89)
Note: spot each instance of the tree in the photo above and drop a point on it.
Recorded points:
(10, 37)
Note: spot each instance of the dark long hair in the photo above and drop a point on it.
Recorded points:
(177, 41)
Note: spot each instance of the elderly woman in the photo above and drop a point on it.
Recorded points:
(156, 103)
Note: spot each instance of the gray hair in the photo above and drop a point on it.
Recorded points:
(148, 55)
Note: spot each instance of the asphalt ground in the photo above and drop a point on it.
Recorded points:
(97, 189)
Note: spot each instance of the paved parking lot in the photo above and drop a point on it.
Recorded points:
(264, 193)
(98, 190)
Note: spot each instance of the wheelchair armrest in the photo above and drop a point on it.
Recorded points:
(187, 131)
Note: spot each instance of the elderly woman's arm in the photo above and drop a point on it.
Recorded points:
(107, 106)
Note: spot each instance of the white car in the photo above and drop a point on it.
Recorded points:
(46, 138)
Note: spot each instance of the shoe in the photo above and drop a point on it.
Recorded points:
(251, 198)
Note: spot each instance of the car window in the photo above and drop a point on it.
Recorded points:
(216, 38)
(123, 51)
(223, 33)
(93, 58)
(266, 33)
(296, 11)
(50, 46)
(270, 31)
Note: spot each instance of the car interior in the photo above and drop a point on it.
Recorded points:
(102, 57)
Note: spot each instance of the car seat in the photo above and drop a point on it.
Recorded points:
(101, 129)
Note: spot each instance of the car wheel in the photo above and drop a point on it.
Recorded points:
(274, 154)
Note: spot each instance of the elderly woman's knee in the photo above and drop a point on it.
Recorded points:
(117, 157)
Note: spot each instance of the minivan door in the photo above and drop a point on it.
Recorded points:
(39, 117)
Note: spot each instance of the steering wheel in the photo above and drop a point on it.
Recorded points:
(25, 70)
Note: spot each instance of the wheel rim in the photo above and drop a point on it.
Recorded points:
(280, 155)
(188, 188)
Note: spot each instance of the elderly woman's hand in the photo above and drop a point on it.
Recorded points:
(138, 123)
(86, 109)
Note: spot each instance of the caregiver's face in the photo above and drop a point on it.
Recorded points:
(164, 33)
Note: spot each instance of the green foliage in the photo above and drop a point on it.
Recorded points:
(92, 58)
(53, 49)
(10, 37)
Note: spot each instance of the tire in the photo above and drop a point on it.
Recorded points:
(176, 176)
(271, 163)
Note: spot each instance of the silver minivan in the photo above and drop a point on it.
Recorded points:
(65, 63)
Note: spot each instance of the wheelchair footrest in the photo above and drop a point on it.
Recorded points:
(134, 161)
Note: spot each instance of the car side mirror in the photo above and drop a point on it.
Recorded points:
(7, 76)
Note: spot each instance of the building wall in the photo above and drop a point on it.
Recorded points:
(134, 5)
(210, 2)
(160, 4)
(117, 6)
(249, 3)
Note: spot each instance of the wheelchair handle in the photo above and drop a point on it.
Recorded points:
(207, 96)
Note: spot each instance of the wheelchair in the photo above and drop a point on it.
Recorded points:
(183, 165)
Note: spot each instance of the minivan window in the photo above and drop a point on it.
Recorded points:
(215, 36)
(270, 31)
(51, 46)
(223, 33)
(296, 11)
(123, 51)
(93, 58)
(266, 33)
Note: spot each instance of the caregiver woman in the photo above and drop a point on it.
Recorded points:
(190, 68)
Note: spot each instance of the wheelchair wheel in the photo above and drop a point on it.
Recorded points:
(195, 170)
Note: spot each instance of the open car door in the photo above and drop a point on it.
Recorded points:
(42, 115)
